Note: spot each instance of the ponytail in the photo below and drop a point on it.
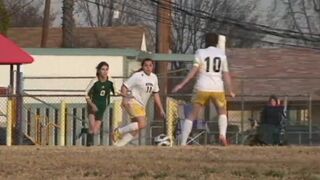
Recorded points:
(142, 63)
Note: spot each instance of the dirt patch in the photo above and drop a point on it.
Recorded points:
(201, 162)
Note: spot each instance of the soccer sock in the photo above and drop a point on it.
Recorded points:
(223, 124)
(125, 140)
(90, 139)
(128, 128)
(186, 129)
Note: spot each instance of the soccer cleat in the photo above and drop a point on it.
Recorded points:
(116, 135)
(223, 140)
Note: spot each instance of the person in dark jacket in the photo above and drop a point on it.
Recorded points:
(271, 121)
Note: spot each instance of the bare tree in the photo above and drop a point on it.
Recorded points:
(204, 16)
(100, 13)
(316, 5)
(301, 16)
(26, 13)
(68, 23)
(4, 18)
(96, 13)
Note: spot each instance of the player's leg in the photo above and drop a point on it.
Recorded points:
(129, 136)
(198, 101)
(133, 126)
(92, 120)
(98, 119)
(220, 103)
(188, 123)
(137, 114)
(118, 132)
(97, 127)
(223, 124)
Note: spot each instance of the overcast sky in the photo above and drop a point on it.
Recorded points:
(56, 7)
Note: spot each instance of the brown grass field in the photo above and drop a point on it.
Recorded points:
(197, 162)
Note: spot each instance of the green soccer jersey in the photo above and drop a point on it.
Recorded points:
(100, 92)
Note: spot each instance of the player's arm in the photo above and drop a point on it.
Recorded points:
(227, 80)
(112, 88)
(89, 94)
(196, 66)
(190, 75)
(157, 100)
(126, 88)
(128, 85)
(124, 92)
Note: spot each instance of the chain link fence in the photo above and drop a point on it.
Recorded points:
(60, 117)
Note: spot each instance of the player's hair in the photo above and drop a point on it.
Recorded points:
(142, 63)
(211, 39)
(99, 66)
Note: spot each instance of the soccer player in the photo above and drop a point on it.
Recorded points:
(136, 92)
(211, 67)
(97, 97)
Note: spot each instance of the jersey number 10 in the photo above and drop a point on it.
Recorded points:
(216, 65)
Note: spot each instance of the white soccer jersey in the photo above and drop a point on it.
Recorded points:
(212, 62)
(142, 86)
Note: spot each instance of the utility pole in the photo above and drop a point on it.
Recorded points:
(111, 13)
(163, 40)
(164, 26)
(4, 18)
(68, 24)
(45, 24)
(163, 44)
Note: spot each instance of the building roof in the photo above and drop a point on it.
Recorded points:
(259, 72)
(85, 37)
(280, 71)
(10, 53)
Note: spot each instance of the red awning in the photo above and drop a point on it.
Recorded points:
(10, 53)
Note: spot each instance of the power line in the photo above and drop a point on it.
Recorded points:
(176, 5)
(266, 30)
(199, 30)
(292, 45)
(270, 33)
(163, 20)
(204, 31)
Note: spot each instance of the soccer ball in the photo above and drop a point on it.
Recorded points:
(162, 140)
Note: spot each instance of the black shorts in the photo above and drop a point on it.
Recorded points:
(99, 114)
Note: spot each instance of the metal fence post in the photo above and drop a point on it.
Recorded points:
(242, 109)
(62, 123)
(310, 119)
(9, 123)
